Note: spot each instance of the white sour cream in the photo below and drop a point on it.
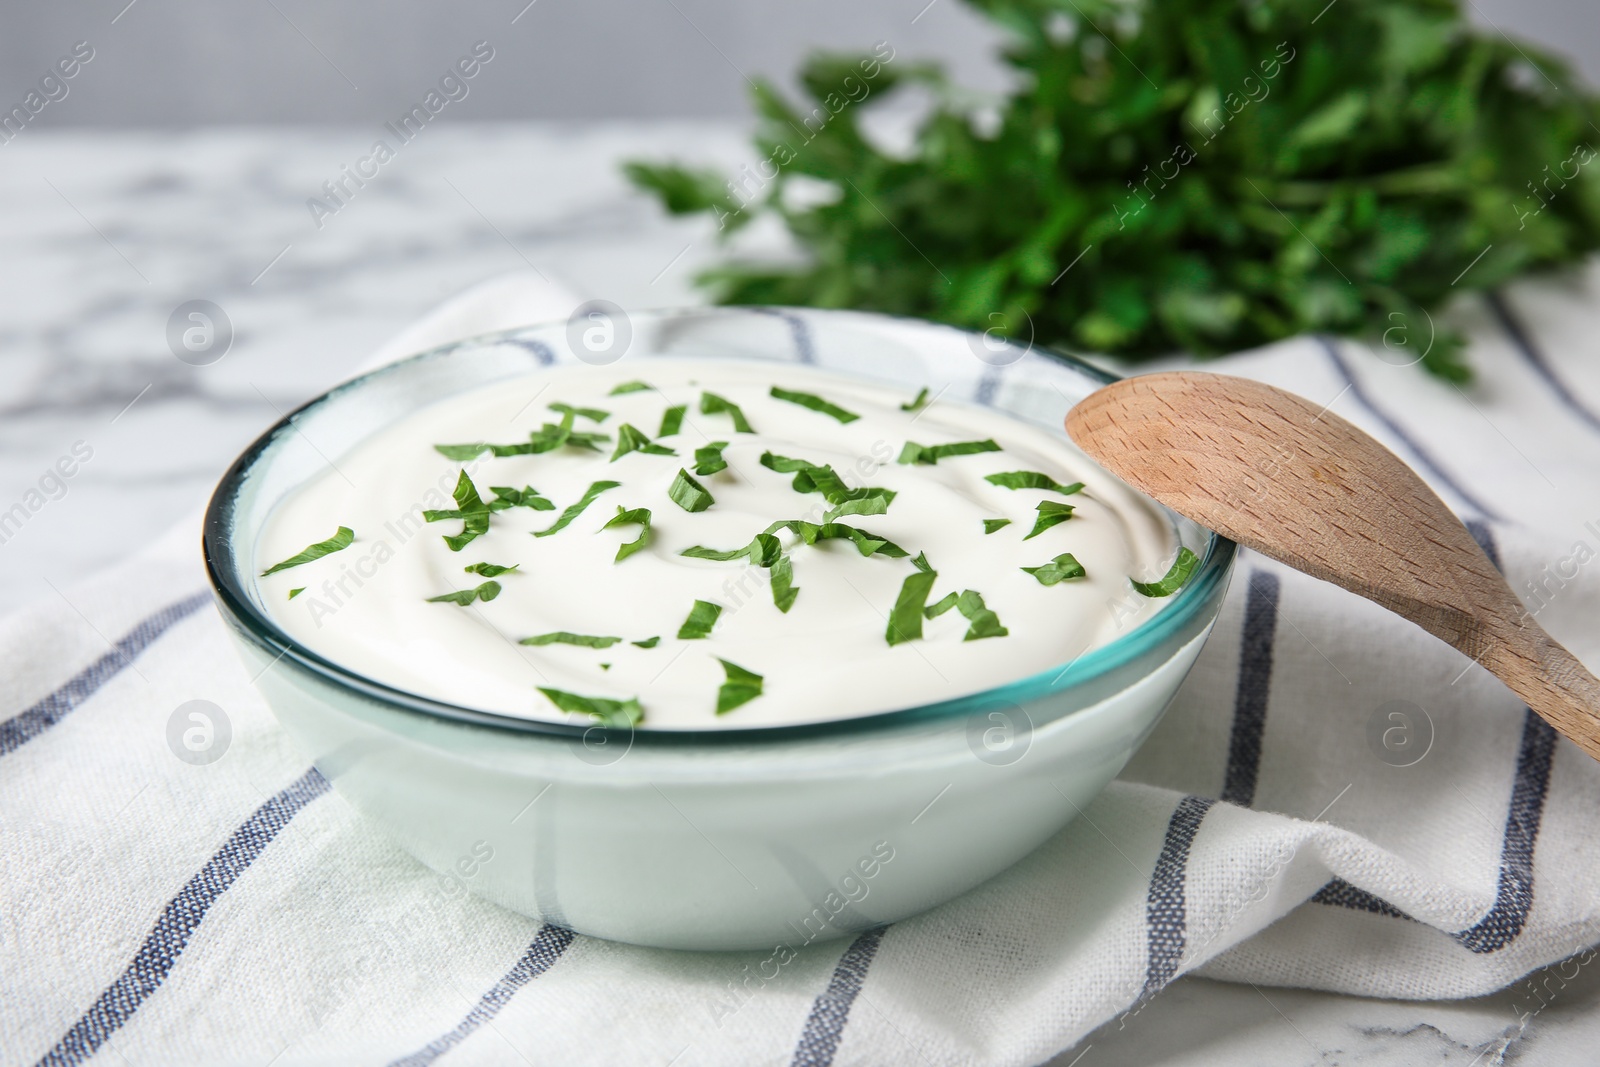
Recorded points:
(366, 607)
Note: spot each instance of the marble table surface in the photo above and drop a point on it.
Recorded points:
(106, 233)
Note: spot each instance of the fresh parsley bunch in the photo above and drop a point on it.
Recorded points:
(1200, 175)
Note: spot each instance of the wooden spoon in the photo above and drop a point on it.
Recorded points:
(1303, 486)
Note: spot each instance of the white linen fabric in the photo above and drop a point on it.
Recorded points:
(1335, 801)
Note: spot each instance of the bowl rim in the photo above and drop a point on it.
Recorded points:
(1214, 568)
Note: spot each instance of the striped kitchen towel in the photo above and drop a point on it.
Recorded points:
(1335, 801)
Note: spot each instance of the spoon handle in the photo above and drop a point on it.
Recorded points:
(1552, 681)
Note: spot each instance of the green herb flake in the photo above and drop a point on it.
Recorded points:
(592, 414)
(631, 517)
(991, 525)
(708, 460)
(944, 604)
(1182, 568)
(485, 592)
(930, 454)
(1031, 480)
(612, 713)
(784, 591)
(672, 420)
(983, 621)
(786, 464)
(490, 570)
(815, 403)
(1060, 569)
(712, 404)
(631, 439)
(574, 510)
(296, 591)
(689, 494)
(562, 637)
(630, 387)
(340, 540)
(905, 618)
(547, 438)
(1051, 513)
(920, 561)
(526, 497)
(470, 509)
(649, 642)
(702, 617)
(741, 687)
(917, 404)
(605, 666)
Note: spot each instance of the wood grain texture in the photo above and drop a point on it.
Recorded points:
(1297, 483)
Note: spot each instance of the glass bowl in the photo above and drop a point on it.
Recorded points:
(741, 838)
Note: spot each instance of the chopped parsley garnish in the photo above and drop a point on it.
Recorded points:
(631, 517)
(702, 617)
(1031, 480)
(631, 439)
(712, 404)
(708, 460)
(562, 637)
(490, 570)
(340, 540)
(296, 591)
(982, 621)
(1051, 513)
(867, 544)
(763, 551)
(1173, 580)
(1060, 569)
(630, 387)
(920, 561)
(785, 464)
(741, 687)
(547, 438)
(470, 509)
(870, 505)
(929, 454)
(942, 605)
(689, 494)
(917, 404)
(485, 592)
(784, 590)
(815, 403)
(991, 525)
(592, 414)
(574, 510)
(613, 713)
(672, 420)
(905, 618)
(820, 478)
(526, 497)
(649, 642)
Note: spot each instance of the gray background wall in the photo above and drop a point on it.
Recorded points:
(186, 62)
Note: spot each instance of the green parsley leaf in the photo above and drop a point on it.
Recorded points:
(562, 637)
(991, 525)
(945, 603)
(485, 592)
(872, 505)
(712, 404)
(920, 561)
(526, 497)
(574, 510)
(1031, 480)
(919, 403)
(867, 544)
(547, 438)
(930, 454)
(630, 387)
(490, 570)
(296, 592)
(470, 509)
(649, 642)
(763, 551)
(612, 713)
(340, 540)
(702, 617)
(815, 403)
(708, 460)
(631, 439)
(689, 494)
(1173, 580)
(820, 478)
(784, 590)
(1060, 569)
(631, 517)
(786, 465)
(905, 618)
(592, 414)
(1051, 513)
(605, 666)
(672, 420)
(741, 687)
(984, 622)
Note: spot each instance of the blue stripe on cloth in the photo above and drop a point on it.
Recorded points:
(543, 951)
(543, 352)
(831, 1010)
(1422, 455)
(1522, 341)
(1341, 894)
(1166, 909)
(1254, 686)
(25, 726)
(178, 921)
(805, 348)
